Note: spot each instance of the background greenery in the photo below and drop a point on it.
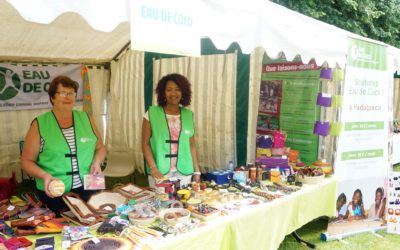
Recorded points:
(375, 19)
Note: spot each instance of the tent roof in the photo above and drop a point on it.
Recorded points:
(94, 31)
(68, 38)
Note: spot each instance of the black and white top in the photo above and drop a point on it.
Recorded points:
(69, 134)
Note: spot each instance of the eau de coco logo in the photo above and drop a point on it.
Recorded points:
(10, 84)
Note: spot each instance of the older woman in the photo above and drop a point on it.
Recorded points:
(62, 144)
(168, 133)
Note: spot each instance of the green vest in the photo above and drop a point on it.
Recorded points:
(160, 141)
(55, 157)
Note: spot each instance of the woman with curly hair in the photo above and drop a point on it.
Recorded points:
(355, 208)
(168, 133)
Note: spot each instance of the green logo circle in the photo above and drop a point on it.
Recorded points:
(9, 84)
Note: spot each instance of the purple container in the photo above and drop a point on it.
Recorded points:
(321, 128)
(272, 162)
(264, 141)
(324, 99)
(326, 74)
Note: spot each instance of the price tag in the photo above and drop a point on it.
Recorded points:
(10, 208)
(95, 240)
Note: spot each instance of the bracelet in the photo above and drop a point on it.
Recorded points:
(196, 173)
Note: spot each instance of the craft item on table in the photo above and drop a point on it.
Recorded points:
(56, 188)
(205, 212)
(240, 177)
(15, 243)
(293, 155)
(35, 212)
(173, 216)
(32, 221)
(105, 202)
(220, 177)
(32, 199)
(77, 233)
(45, 243)
(310, 176)
(80, 209)
(274, 175)
(6, 229)
(94, 182)
(134, 192)
(324, 99)
(176, 204)
(8, 210)
(321, 128)
(16, 201)
(277, 151)
(106, 243)
(286, 188)
(263, 145)
(266, 195)
(279, 138)
(324, 165)
(143, 215)
(70, 216)
(49, 226)
(166, 187)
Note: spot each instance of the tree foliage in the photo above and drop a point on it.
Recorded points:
(375, 19)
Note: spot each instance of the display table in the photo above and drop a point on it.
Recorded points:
(263, 226)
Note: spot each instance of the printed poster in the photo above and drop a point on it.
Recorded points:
(362, 163)
(25, 87)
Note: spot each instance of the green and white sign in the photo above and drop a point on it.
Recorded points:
(362, 148)
(362, 164)
(25, 87)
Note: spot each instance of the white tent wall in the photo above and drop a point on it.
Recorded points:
(213, 80)
(126, 108)
(15, 124)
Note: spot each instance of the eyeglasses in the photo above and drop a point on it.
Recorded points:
(65, 94)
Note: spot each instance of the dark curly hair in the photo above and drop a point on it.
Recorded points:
(65, 81)
(183, 84)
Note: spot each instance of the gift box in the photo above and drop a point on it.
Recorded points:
(220, 177)
(275, 175)
(275, 163)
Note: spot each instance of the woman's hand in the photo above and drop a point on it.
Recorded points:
(196, 178)
(95, 168)
(155, 173)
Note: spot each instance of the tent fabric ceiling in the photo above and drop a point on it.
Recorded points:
(79, 35)
(69, 38)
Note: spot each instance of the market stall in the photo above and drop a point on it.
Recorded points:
(122, 83)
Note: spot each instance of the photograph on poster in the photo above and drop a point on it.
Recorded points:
(269, 105)
(271, 89)
(266, 122)
(352, 214)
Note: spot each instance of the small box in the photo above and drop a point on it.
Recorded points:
(220, 177)
(274, 175)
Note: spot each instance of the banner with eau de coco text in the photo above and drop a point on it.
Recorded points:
(25, 87)
(165, 26)
(362, 164)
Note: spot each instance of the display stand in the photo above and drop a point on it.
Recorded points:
(301, 241)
